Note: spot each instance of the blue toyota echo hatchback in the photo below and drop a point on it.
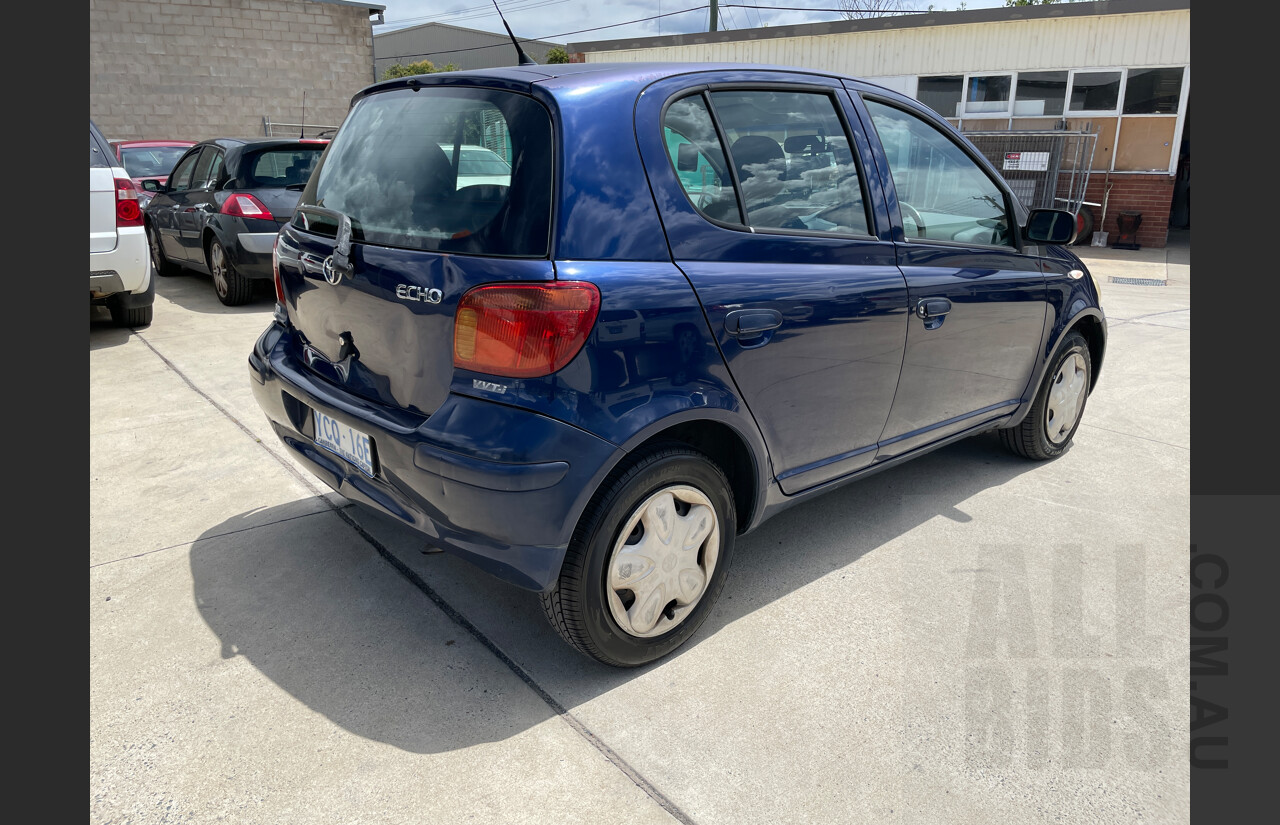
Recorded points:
(698, 295)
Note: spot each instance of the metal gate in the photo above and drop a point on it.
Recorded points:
(1046, 170)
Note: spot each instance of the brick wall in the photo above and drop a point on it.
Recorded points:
(198, 69)
(1151, 195)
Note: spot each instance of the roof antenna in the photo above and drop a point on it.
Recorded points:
(303, 125)
(525, 60)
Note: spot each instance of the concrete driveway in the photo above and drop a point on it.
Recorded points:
(968, 638)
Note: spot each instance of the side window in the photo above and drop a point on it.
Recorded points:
(181, 177)
(943, 194)
(793, 160)
(97, 153)
(205, 176)
(699, 159)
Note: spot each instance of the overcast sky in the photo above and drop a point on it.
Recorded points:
(557, 20)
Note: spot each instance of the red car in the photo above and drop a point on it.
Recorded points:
(149, 159)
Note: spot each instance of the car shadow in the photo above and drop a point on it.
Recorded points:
(194, 291)
(103, 332)
(349, 637)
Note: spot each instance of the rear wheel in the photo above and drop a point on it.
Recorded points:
(648, 558)
(130, 317)
(1047, 430)
(233, 288)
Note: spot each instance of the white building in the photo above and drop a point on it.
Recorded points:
(1121, 68)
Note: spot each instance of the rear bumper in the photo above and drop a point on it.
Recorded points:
(124, 269)
(500, 486)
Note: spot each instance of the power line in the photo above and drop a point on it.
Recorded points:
(625, 23)
(544, 37)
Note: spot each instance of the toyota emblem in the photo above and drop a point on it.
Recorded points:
(331, 273)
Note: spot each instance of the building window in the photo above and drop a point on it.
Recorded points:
(1040, 93)
(1152, 91)
(1095, 91)
(988, 94)
(941, 93)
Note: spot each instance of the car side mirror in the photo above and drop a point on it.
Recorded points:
(1055, 226)
(153, 186)
(687, 158)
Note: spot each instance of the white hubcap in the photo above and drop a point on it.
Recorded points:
(1066, 398)
(662, 562)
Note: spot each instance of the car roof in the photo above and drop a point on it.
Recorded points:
(568, 76)
(258, 142)
(147, 143)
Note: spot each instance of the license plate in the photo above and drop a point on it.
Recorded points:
(347, 442)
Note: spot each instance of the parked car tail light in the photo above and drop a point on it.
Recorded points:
(523, 330)
(275, 271)
(128, 210)
(246, 206)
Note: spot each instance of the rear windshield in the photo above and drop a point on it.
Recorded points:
(151, 161)
(278, 168)
(440, 169)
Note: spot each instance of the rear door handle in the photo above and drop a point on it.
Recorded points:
(928, 308)
(747, 323)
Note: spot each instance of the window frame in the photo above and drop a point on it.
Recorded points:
(1068, 112)
(965, 114)
(831, 93)
(1017, 82)
(207, 184)
(1016, 244)
(193, 152)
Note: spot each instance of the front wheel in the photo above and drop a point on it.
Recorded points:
(1047, 430)
(159, 261)
(648, 558)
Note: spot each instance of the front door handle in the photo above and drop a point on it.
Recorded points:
(748, 323)
(928, 308)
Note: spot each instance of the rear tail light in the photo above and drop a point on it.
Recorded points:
(523, 330)
(275, 271)
(128, 210)
(246, 206)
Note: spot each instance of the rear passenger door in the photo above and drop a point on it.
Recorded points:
(977, 301)
(780, 229)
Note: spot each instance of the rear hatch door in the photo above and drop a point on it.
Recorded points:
(102, 209)
(382, 326)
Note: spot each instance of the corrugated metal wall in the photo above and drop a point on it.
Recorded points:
(1119, 40)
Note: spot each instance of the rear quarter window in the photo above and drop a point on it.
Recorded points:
(278, 168)
(441, 169)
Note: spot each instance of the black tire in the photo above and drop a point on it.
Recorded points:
(1032, 438)
(1084, 226)
(578, 605)
(232, 288)
(159, 261)
(131, 317)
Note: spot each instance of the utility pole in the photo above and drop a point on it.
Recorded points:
(714, 15)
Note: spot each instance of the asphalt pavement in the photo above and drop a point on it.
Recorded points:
(968, 638)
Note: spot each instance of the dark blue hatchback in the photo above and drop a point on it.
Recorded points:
(702, 294)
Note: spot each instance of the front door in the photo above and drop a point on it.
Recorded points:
(166, 207)
(780, 230)
(977, 303)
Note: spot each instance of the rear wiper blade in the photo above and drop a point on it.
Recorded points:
(296, 187)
